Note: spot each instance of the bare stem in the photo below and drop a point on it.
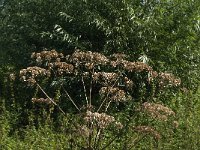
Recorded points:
(108, 106)
(70, 99)
(50, 98)
(91, 87)
(97, 138)
(106, 97)
(85, 92)
(90, 136)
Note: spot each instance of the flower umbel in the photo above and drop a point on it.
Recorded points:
(101, 120)
(158, 111)
(31, 73)
(41, 100)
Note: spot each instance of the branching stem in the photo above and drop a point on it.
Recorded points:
(106, 97)
(50, 98)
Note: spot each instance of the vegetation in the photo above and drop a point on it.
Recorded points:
(124, 74)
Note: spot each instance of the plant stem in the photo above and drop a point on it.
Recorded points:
(91, 87)
(85, 92)
(50, 98)
(99, 139)
(71, 99)
(106, 97)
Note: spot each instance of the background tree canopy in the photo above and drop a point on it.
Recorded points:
(165, 33)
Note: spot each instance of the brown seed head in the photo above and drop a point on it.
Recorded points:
(41, 100)
(101, 120)
(158, 111)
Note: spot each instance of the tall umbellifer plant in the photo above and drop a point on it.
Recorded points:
(100, 88)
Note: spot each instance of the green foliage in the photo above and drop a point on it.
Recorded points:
(165, 32)
(43, 138)
(186, 136)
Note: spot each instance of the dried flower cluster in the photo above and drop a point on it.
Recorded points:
(128, 83)
(12, 77)
(130, 66)
(82, 131)
(168, 79)
(91, 59)
(87, 107)
(29, 75)
(105, 78)
(117, 59)
(62, 67)
(46, 56)
(118, 56)
(136, 66)
(118, 125)
(88, 59)
(148, 130)
(101, 120)
(114, 94)
(41, 100)
(175, 124)
(164, 79)
(158, 111)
